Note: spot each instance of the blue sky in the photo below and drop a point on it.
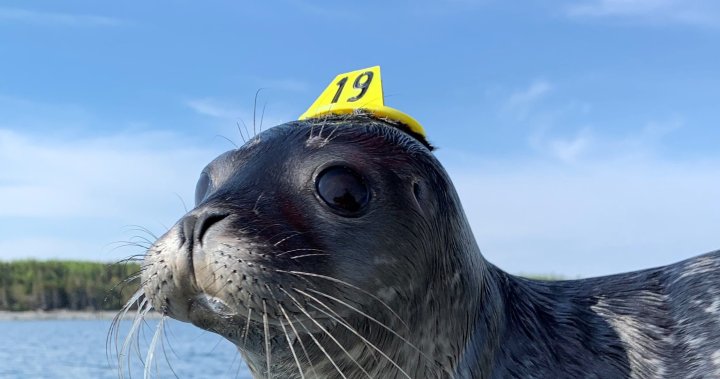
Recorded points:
(582, 136)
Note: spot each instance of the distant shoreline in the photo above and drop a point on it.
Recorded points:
(67, 315)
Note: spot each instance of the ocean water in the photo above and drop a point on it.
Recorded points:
(61, 349)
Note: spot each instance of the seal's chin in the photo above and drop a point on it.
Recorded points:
(204, 306)
(213, 314)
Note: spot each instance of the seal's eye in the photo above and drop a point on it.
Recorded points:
(202, 187)
(342, 189)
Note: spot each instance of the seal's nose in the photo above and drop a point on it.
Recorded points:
(196, 225)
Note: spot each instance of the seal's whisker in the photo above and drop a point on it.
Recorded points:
(247, 327)
(144, 306)
(319, 345)
(364, 340)
(115, 324)
(322, 127)
(303, 310)
(253, 231)
(378, 322)
(132, 258)
(135, 328)
(241, 133)
(279, 304)
(320, 276)
(257, 201)
(328, 139)
(262, 116)
(266, 329)
(304, 249)
(153, 346)
(123, 244)
(226, 139)
(140, 228)
(287, 238)
(292, 350)
(139, 300)
(247, 131)
(255, 111)
(297, 335)
(352, 330)
(182, 201)
(295, 234)
(325, 121)
(337, 317)
(308, 255)
(162, 346)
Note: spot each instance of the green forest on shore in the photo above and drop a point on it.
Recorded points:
(29, 285)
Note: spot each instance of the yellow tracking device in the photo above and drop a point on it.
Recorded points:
(358, 90)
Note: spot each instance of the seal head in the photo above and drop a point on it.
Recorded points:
(320, 247)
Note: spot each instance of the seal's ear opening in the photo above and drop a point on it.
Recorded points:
(422, 197)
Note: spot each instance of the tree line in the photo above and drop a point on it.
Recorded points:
(72, 285)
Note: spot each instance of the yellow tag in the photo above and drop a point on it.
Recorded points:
(361, 89)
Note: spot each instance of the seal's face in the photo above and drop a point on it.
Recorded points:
(310, 233)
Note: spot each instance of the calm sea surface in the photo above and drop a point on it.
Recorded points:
(60, 349)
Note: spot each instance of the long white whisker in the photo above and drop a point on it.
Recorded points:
(368, 343)
(297, 335)
(308, 255)
(267, 340)
(302, 309)
(133, 332)
(292, 350)
(349, 285)
(247, 326)
(294, 250)
(338, 318)
(380, 323)
(152, 348)
(319, 345)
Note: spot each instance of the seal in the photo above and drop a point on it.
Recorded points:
(338, 247)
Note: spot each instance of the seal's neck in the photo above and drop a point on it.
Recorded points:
(551, 327)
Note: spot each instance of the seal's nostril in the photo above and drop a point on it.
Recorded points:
(204, 223)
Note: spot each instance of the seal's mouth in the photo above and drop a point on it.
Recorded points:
(205, 303)
(227, 284)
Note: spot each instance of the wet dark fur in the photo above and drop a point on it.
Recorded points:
(415, 268)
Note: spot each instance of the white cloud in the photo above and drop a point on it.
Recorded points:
(231, 114)
(92, 177)
(696, 12)
(213, 108)
(569, 150)
(520, 102)
(54, 18)
(605, 216)
(62, 197)
(585, 144)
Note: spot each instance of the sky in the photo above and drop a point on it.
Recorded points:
(581, 135)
